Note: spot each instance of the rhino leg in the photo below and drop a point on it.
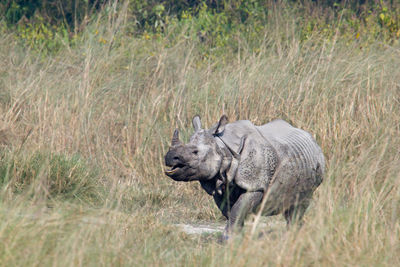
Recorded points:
(296, 212)
(246, 203)
(222, 205)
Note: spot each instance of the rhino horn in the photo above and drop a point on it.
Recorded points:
(175, 138)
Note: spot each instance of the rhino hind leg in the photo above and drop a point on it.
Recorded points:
(295, 213)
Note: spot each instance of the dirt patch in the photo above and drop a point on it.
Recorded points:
(198, 229)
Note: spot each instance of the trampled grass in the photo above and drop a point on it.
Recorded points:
(104, 113)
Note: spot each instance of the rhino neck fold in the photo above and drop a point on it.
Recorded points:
(230, 160)
(227, 171)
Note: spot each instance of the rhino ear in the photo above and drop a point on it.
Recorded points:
(196, 123)
(221, 125)
(175, 138)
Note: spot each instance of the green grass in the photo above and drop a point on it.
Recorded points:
(83, 132)
(51, 176)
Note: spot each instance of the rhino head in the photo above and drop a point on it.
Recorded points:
(200, 159)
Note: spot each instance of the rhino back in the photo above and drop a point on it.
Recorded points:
(294, 145)
(301, 165)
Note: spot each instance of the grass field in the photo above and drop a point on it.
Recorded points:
(83, 133)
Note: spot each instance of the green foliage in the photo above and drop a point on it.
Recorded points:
(156, 14)
(46, 26)
(374, 22)
(56, 176)
(218, 27)
(55, 12)
(14, 10)
(215, 24)
(43, 37)
(389, 20)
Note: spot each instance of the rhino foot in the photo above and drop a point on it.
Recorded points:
(295, 213)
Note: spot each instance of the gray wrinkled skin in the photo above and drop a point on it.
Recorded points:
(239, 164)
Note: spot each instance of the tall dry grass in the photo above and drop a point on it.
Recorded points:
(115, 105)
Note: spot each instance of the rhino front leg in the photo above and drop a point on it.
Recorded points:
(246, 203)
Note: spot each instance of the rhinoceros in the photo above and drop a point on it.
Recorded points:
(240, 164)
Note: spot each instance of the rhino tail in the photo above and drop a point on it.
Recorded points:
(318, 174)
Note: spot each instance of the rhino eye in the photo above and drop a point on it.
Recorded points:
(195, 152)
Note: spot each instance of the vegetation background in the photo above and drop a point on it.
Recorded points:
(90, 92)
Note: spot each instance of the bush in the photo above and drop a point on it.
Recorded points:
(51, 175)
(46, 26)
(55, 12)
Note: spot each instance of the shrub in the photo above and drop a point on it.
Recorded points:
(51, 175)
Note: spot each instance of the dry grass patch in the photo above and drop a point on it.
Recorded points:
(117, 106)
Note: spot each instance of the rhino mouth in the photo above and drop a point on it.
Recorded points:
(181, 173)
(174, 169)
